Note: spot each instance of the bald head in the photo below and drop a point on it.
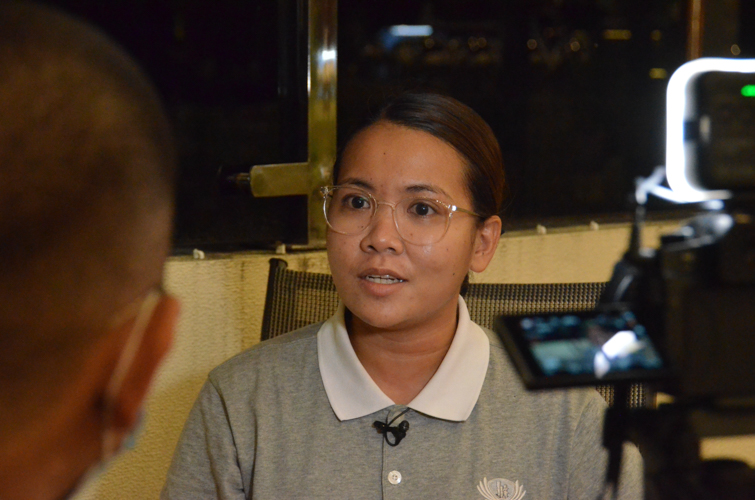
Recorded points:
(86, 185)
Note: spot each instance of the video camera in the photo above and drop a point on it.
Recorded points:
(681, 317)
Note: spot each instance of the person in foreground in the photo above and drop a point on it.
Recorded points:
(86, 203)
(399, 394)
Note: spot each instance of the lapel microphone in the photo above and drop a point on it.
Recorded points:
(398, 432)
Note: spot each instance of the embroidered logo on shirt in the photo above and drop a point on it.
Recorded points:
(501, 489)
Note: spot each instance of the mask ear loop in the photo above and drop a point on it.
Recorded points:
(110, 443)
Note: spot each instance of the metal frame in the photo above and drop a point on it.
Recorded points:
(306, 178)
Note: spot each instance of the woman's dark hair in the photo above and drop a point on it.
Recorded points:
(463, 129)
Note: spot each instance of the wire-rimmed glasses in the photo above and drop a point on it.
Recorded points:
(421, 221)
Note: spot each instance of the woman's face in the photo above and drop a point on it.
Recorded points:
(392, 163)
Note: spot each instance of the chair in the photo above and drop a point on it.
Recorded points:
(295, 299)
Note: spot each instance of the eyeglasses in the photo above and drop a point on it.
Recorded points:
(421, 221)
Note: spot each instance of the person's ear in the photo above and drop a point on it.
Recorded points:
(157, 340)
(486, 242)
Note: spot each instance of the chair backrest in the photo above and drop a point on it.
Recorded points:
(297, 298)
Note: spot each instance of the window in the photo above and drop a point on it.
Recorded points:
(574, 90)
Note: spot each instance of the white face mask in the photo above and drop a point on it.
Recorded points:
(110, 444)
(97, 469)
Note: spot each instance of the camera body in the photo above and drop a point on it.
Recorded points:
(695, 295)
(685, 313)
(708, 272)
(704, 316)
(722, 129)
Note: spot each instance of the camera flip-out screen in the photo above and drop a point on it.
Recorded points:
(567, 350)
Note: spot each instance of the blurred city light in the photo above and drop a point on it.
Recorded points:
(406, 30)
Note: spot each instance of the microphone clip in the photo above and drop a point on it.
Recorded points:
(398, 431)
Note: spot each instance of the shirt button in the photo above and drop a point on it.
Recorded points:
(394, 477)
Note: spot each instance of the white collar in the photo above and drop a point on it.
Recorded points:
(450, 395)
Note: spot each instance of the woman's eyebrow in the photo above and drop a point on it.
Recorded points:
(358, 183)
(425, 188)
(411, 188)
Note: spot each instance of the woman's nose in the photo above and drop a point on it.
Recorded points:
(382, 234)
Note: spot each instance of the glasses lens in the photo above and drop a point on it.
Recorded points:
(421, 221)
(348, 210)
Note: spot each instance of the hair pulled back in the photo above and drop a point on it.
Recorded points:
(462, 128)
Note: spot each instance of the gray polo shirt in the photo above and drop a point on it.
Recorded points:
(294, 417)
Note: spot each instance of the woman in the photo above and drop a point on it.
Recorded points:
(399, 394)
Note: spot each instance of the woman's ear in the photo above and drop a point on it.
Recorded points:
(486, 242)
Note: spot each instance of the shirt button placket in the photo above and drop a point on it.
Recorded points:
(394, 478)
